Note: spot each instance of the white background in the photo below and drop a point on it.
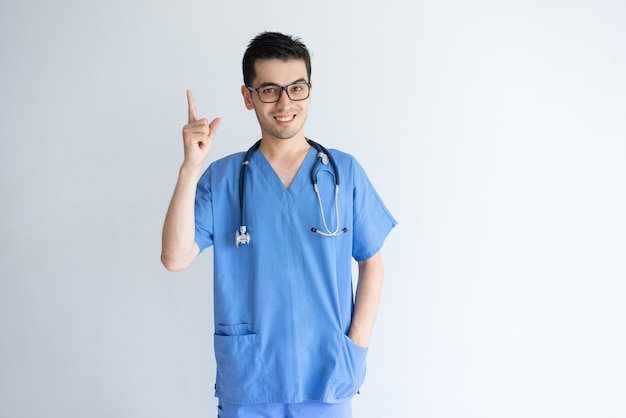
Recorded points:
(493, 130)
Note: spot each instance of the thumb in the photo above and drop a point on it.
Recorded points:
(215, 123)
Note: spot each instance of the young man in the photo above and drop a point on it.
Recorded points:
(284, 219)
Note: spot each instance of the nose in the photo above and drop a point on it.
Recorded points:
(284, 99)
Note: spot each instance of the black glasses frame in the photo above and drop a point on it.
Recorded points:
(281, 89)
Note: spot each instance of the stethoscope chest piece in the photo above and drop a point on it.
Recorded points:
(242, 236)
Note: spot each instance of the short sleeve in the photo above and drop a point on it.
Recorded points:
(204, 212)
(372, 221)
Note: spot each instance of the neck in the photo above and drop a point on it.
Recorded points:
(277, 148)
(285, 156)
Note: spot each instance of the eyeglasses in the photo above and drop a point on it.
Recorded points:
(270, 93)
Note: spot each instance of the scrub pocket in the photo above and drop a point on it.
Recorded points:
(239, 369)
(349, 372)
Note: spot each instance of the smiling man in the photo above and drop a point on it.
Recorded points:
(285, 219)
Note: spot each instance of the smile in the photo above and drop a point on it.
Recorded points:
(284, 118)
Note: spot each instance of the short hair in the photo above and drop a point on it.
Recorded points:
(273, 45)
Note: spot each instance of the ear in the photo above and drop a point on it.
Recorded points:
(247, 97)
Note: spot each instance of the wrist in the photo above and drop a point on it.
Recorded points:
(358, 339)
(190, 170)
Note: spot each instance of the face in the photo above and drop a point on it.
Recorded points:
(285, 118)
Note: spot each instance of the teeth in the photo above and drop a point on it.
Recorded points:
(284, 118)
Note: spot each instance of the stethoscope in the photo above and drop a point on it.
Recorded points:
(242, 236)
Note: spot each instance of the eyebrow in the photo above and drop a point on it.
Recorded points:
(266, 84)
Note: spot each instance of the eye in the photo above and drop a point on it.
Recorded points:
(269, 90)
(296, 88)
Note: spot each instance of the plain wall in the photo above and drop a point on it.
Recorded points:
(493, 130)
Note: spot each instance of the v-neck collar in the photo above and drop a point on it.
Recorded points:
(287, 196)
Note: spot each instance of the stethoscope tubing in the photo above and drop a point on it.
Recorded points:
(242, 236)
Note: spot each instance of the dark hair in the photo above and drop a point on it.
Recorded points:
(273, 45)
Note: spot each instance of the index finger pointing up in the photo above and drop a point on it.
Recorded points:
(191, 107)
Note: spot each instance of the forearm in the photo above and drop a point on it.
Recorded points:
(367, 300)
(178, 241)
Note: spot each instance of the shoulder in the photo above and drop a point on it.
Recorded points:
(342, 158)
(352, 172)
(232, 160)
(347, 162)
(225, 164)
(224, 167)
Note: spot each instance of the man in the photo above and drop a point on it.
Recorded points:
(289, 340)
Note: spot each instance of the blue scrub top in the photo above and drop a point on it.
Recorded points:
(283, 303)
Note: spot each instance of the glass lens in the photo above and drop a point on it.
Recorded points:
(298, 91)
(269, 94)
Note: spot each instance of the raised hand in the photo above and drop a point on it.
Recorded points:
(197, 135)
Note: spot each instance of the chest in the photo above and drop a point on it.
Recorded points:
(287, 169)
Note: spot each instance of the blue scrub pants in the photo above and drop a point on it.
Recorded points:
(307, 409)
